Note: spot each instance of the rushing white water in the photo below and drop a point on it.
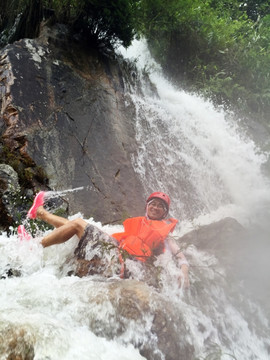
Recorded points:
(197, 154)
(55, 312)
(52, 309)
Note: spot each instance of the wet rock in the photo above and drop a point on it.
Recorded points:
(133, 302)
(9, 177)
(15, 344)
(133, 305)
(243, 253)
(136, 305)
(9, 192)
(218, 237)
(96, 253)
(64, 110)
(227, 240)
(10, 273)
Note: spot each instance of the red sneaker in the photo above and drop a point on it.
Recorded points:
(38, 201)
(23, 234)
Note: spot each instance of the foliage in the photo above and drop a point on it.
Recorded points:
(104, 21)
(19, 17)
(110, 22)
(255, 8)
(216, 47)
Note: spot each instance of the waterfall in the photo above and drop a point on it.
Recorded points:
(211, 168)
(198, 154)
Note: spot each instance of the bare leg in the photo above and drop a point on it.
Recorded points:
(51, 219)
(65, 228)
(65, 232)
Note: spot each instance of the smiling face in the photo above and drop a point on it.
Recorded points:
(156, 209)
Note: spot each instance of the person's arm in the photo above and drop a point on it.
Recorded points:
(181, 260)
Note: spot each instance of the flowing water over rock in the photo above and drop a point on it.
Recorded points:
(212, 170)
(198, 154)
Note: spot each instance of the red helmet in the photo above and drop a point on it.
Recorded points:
(160, 195)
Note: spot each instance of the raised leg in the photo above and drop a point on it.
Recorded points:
(65, 228)
(49, 218)
(65, 232)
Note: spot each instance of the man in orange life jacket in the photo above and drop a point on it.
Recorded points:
(143, 237)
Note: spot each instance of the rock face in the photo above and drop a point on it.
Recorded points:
(244, 254)
(134, 305)
(224, 239)
(9, 189)
(64, 110)
(135, 302)
(96, 253)
(16, 343)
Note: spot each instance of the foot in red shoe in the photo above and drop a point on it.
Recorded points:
(38, 201)
(23, 234)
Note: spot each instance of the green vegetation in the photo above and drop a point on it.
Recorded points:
(26, 169)
(109, 22)
(29, 175)
(219, 48)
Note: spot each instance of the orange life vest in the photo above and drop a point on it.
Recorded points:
(144, 237)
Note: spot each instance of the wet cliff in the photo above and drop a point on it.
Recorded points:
(66, 123)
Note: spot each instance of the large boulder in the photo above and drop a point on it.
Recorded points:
(158, 323)
(134, 308)
(65, 117)
(15, 342)
(225, 239)
(9, 191)
(134, 302)
(242, 252)
(137, 303)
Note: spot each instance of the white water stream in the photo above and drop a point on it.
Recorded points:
(199, 155)
(211, 169)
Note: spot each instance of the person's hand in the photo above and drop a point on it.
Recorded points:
(183, 279)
